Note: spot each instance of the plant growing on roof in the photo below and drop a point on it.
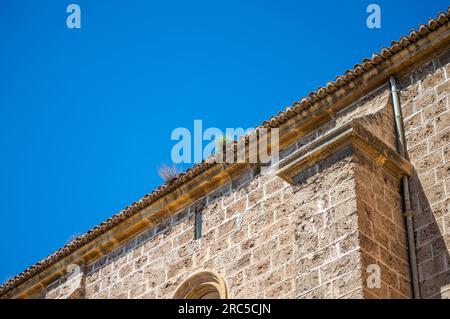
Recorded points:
(168, 172)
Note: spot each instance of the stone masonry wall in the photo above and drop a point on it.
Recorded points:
(315, 238)
(265, 237)
(381, 229)
(426, 112)
(269, 239)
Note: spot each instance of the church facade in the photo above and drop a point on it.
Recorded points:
(358, 207)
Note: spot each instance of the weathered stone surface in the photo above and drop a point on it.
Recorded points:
(428, 145)
(317, 237)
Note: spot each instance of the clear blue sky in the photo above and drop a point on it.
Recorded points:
(86, 115)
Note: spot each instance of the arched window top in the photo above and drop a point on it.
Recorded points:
(202, 285)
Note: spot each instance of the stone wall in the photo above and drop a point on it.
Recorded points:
(270, 239)
(381, 229)
(264, 236)
(69, 286)
(317, 237)
(426, 111)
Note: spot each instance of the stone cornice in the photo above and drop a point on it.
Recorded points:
(352, 135)
(399, 64)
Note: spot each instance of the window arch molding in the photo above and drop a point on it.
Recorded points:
(204, 284)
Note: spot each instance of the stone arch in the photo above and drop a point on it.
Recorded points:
(202, 285)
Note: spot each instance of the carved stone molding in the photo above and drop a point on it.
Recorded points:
(201, 284)
(352, 135)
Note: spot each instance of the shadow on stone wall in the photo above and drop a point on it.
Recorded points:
(431, 244)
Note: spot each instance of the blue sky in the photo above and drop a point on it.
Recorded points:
(86, 115)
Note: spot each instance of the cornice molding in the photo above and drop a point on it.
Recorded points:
(352, 135)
